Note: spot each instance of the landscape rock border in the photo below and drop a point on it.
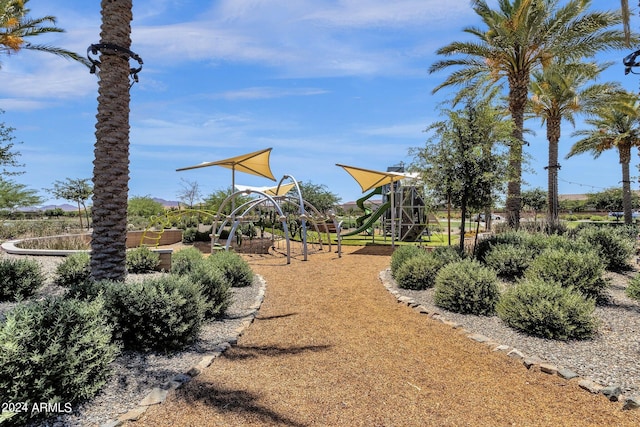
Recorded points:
(612, 393)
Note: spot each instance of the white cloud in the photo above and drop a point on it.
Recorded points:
(267, 93)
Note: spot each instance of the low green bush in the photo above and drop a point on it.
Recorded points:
(189, 235)
(548, 310)
(74, 269)
(401, 254)
(510, 237)
(614, 245)
(235, 268)
(633, 289)
(185, 260)
(509, 261)
(56, 351)
(19, 278)
(467, 287)
(583, 271)
(157, 314)
(418, 272)
(446, 254)
(142, 260)
(216, 288)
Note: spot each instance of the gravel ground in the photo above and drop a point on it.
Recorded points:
(610, 358)
(135, 374)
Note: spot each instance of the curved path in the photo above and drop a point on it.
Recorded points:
(331, 347)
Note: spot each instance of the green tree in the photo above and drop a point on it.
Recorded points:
(16, 27)
(14, 195)
(534, 199)
(318, 195)
(214, 200)
(74, 190)
(144, 206)
(611, 199)
(111, 154)
(8, 157)
(520, 36)
(459, 162)
(559, 92)
(615, 125)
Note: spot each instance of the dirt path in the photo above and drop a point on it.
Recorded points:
(331, 347)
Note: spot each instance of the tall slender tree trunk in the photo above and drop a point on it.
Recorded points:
(518, 91)
(553, 136)
(111, 164)
(625, 159)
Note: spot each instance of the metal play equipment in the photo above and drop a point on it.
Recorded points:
(402, 212)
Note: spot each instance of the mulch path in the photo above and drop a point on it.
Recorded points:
(331, 347)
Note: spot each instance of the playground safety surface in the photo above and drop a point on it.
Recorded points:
(331, 347)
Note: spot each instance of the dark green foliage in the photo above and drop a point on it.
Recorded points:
(548, 310)
(142, 260)
(633, 289)
(189, 235)
(216, 288)
(235, 268)
(418, 272)
(467, 287)
(54, 350)
(508, 260)
(185, 260)
(160, 314)
(19, 278)
(614, 245)
(401, 254)
(73, 270)
(583, 271)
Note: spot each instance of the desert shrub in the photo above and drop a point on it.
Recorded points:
(583, 271)
(159, 314)
(548, 310)
(142, 260)
(216, 288)
(418, 272)
(189, 235)
(185, 260)
(19, 278)
(467, 287)
(54, 350)
(633, 289)
(74, 269)
(509, 261)
(401, 254)
(235, 268)
(614, 245)
(506, 238)
(446, 254)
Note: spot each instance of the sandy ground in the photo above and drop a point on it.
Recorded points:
(331, 347)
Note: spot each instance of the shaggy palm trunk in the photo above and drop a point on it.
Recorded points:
(553, 136)
(518, 91)
(625, 159)
(111, 164)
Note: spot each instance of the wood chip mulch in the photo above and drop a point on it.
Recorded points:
(331, 347)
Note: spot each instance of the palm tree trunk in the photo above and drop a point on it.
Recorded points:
(518, 91)
(625, 159)
(111, 164)
(553, 136)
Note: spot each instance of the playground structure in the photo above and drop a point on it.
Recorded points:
(402, 214)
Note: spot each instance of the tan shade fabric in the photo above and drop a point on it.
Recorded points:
(369, 179)
(256, 163)
(271, 191)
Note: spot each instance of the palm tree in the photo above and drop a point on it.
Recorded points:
(615, 125)
(111, 163)
(626, 20)
(558, 92)
(16, 27)
(519, 37)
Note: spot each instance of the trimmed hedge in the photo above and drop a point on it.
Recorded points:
(509, 261)
(401, 254)
(467, 287)
(54, 350)
(418, 272)
(19, 278)
(547, 310)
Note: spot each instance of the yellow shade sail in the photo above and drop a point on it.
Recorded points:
(369, 179)
(256, 163)
(271, 191)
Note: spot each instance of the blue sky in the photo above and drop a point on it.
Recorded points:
(320, 81)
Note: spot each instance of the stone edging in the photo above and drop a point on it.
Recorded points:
(159, 394)
(613, 393)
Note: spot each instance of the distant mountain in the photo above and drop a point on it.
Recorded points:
(65, 207)
(166, 203)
